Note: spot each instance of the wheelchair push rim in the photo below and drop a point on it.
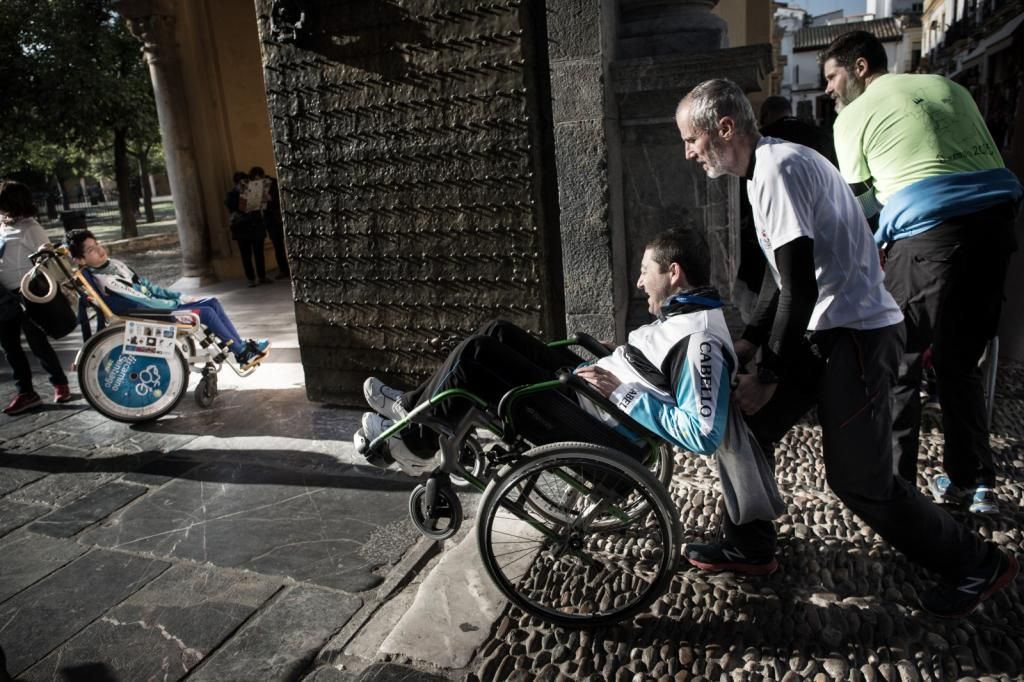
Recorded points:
(130, 388)
(580, 570)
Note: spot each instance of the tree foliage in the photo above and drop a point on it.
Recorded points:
(74, 87)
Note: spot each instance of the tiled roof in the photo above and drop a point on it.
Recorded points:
(816, 37)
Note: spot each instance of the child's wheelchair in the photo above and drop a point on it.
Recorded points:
(578, 534)
(133, 386)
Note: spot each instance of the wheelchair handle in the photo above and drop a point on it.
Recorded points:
(26, 290)
(595, 347)
(595, 396)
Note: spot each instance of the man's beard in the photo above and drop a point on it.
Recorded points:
(854, 89)
(714, 156)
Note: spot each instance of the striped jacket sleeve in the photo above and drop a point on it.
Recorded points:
(700, 370)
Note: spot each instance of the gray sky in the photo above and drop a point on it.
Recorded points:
(815, 7)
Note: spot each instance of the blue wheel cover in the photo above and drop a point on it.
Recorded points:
(133, 381)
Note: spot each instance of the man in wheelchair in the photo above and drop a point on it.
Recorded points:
(673, 376)
(126, 292)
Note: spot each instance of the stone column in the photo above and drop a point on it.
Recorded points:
(153, 22)
(659, 27)
(581, 39)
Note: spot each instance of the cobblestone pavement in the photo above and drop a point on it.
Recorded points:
(843, 606)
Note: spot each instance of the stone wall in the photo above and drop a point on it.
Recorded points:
(413, 147)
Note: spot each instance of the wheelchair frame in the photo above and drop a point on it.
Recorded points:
(437, 512)
(196, 348)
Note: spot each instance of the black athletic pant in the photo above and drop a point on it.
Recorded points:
(948, 282)
(10, 340)
(276, 233)
(251, 251)
(499, 357)
(852, 392)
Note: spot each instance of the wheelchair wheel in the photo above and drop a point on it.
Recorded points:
(130, 388)
(555, 499)
(206, 391)
(473, 459)
(662, 463)
(591, 563)
(447, 516)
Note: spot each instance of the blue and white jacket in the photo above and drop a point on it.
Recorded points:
(676, 372)
(124, 289)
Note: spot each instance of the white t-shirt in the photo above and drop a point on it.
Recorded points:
(18, 241)
(795, 192)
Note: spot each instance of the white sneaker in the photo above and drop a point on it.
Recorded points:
(383, 398)
(394, 448)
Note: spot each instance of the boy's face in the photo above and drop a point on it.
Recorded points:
(93, 253)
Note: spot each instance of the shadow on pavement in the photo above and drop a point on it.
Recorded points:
(200, 465)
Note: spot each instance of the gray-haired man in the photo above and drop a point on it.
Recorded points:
(831, 336)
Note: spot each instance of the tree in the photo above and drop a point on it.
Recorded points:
(75, 78)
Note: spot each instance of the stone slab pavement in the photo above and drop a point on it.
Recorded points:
(248, 542)
(231, 543)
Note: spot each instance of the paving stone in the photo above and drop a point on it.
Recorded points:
(95, 430)
(177, 620)
(41, 617)
(36, 440)
(87, 510)
(62, 488)
(28, 423)
(14, 514)
(391, 672)
(449, 636)
(26, 557)
(328, 674)
(160, 471)
(295, 627)
(322, 529)
(13, 476)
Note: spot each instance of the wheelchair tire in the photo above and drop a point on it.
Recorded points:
(448, 515)
(206, 391)
(130, 388)
(579, 570)
(662, 463)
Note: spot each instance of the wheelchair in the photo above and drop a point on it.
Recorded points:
(131, 387)
(577, 534)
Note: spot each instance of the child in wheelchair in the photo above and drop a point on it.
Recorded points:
(672, 377)
(126, 292)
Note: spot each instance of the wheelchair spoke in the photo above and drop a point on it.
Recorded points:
(594, 561)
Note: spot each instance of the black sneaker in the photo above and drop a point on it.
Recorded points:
(949, 600)
(727, 557)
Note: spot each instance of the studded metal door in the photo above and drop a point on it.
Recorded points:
(413, 148)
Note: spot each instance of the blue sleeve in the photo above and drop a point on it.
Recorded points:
(701, 377)
(158, 292)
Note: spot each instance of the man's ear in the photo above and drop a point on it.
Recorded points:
(726, 127)
(861, 68)
(676, 275)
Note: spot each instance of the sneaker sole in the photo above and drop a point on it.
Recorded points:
(64, 400)
(255, 362)
(747, 569)
(1004, 580)
(22, 410)
(379, 405)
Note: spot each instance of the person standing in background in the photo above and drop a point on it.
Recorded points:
(248, 229)
(273, 222)
(21, 235)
